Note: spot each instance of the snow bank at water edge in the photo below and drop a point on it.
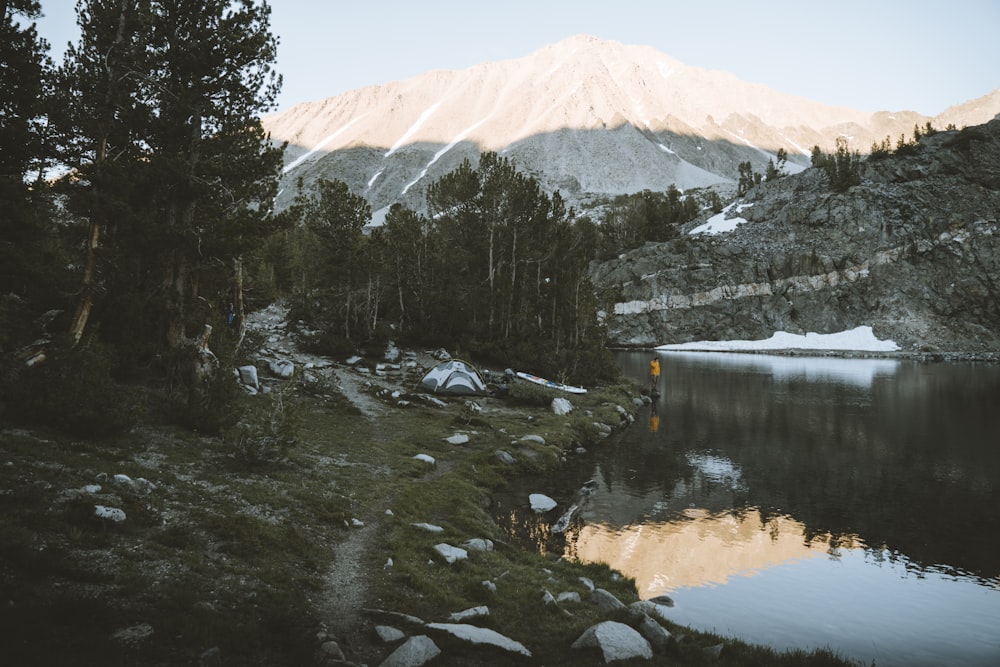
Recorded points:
(860, 339)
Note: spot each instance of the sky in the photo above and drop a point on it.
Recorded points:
(871, 55)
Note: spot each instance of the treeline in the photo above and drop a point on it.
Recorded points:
(496, 270)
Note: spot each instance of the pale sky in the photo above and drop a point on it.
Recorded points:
(872, 55)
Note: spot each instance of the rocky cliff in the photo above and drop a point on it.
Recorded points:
(913, 251)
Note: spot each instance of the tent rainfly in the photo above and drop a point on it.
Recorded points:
(453, 377)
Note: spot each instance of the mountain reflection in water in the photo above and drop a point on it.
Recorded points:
(801, 503)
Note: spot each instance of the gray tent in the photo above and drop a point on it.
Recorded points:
(453, 377)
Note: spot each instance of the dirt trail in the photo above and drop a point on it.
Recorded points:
(345, 585)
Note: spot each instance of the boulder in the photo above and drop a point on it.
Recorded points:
(248, 376)
(540, 503)
(561, 406)
(414, 652)
(606, 600)
(451, 554)
(282, 368)
(476, 635)
(659, 637)
(615, 641)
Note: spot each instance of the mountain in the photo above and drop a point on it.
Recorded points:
(913, 251)
(585, 116)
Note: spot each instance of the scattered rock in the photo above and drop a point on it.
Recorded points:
(469, 614)
(616, 641)
(331, 649)
(426, 458)
(458, 439)
(476, 635)
(561, 406)
(505, 457)
(133, 635)
(414, 652)
(606, 600)
(535, 439)
(389, 634)
(113, 514)
(429, 527)
(248, 376)
(540, 503)
(659, 637)
(450, 553)
(478, 544)
(282, 368)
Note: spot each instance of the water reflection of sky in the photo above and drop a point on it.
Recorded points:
(735, 573)
(856, 372)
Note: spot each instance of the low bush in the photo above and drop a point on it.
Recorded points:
(74, 390)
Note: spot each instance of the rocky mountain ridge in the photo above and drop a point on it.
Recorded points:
(913, 251)
(585, 116)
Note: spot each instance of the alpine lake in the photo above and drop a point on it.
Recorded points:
(798, 502)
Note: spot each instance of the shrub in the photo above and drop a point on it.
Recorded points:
(265, 433)
(75, 390)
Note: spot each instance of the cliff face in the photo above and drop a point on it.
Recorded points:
(913, 251)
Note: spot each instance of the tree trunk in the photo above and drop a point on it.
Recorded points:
(97, 222)
(238, 314)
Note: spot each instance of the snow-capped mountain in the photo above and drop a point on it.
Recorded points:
(584, 116)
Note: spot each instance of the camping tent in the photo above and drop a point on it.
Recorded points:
(453, 377)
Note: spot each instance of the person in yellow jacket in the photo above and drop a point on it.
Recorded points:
(654, 374)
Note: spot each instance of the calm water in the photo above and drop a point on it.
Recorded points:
(802, 503)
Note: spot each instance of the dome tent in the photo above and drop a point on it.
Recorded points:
(453, 377)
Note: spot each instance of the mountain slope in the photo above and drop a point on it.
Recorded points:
(585, 116)
(913, 251)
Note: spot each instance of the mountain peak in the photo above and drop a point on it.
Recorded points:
(585, 115)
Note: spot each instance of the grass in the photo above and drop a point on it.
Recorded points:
(233, 558)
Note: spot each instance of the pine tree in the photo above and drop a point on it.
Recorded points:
(165, 101)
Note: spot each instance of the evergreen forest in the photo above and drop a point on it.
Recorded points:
(138, 228)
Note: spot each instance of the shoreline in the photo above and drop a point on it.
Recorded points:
(902, 355)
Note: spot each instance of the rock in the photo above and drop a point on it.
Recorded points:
(587, 583)
(426, 458)
(664, 600)
(476, 635)
(648, 608)
(282, 368)
(568, 596)
(133, 635)
(332, 650)
(615, 641)
(540, 503)
(659, 637)
(561, 406)
(478, 544)
(351, 361)
(532, 438)
(450, 553)
(429, 527)
(113, 514)
(606, 600)
(548, 598)
(562, 524)
(713, 652)
(248, 376)
(489, 585)
(505, 457)
(389, 634)
(469, 614)
(414, 652)
(458, 439)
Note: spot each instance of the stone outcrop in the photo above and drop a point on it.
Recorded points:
(913, 251)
